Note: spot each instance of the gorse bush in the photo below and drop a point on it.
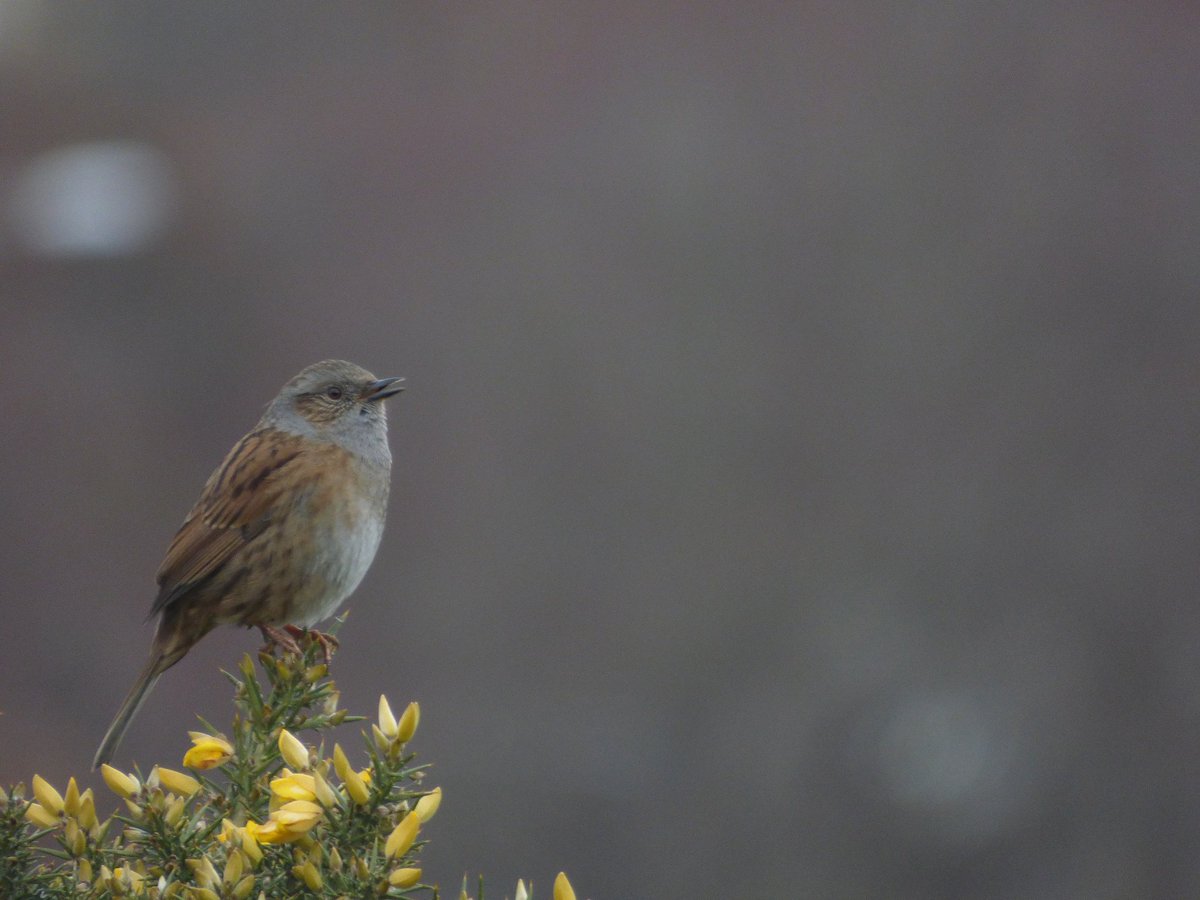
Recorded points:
(269, 811)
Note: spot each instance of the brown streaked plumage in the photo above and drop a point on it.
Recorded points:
(285, 528)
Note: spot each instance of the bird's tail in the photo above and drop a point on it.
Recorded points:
(155, 666)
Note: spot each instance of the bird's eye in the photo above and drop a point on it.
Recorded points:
(333, 393)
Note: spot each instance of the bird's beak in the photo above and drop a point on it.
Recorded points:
(382, 389)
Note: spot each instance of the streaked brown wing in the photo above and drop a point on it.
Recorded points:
(235, 505)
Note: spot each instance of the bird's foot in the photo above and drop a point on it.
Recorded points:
(288, 640)
(285, 640)
(327, 641)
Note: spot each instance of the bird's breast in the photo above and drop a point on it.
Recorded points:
(343, 517)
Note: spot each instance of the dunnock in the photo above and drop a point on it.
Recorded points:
(285, 528)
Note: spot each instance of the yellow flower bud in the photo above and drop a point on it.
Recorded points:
(243, 888)
(562, 888)
(177, 782)
(84, 872)
(234, 866)
(521, 892)
(74, 839)
(293, 752)
(309, 875)
(341, 765)
(428, 805)
(382, 741)
(124, 880)
(329, 706)
(174, 812)
(387, 720)
(403, 878)
(407, 726)
(402, 836)
(118, 782)
(356, 787)
(335, 860)
(324, 792)
(87, 810)
(71, 798)
(40, 816)
(47, 795)
(250, 847)
(205, 871)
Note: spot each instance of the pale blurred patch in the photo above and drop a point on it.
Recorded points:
(107, 198)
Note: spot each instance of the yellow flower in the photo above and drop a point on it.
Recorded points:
(403, 878)
(119, 783)
(288, 823)
(428, 805)
(292, 750)
(562, 888)
(270, 832)
(177, 782)
(402, 836)
(47, 795)
(295, 787)
(298, 815)
(208, 751)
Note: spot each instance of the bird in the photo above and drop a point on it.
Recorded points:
(285, 528)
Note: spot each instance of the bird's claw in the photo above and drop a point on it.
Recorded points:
(288, 640)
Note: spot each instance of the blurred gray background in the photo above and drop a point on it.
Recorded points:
(794, 489)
